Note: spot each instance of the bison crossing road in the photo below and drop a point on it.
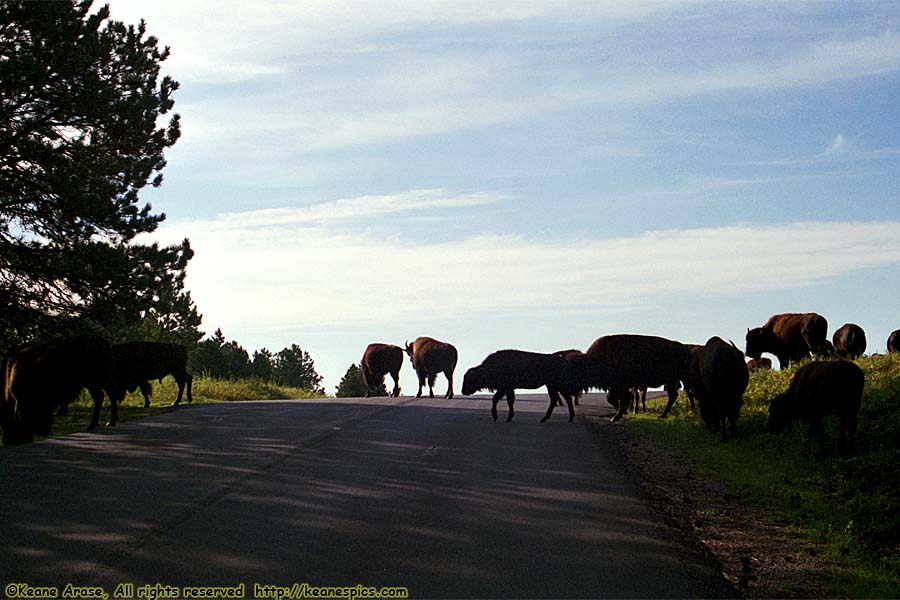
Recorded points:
(425, 494)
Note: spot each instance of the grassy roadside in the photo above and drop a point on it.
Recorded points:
(848, 508)
(205, 389)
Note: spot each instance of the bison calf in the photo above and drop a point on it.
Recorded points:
(817, 390)
(508, 370)
(137, 363)
(719, 377)
(759, 364)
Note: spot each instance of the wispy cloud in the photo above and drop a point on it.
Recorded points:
(840, 150)
(340, 211)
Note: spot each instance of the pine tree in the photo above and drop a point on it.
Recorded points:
(81, 134)
(351, 385)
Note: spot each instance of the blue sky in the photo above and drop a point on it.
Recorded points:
(530, 174)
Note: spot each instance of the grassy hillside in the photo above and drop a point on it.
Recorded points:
(205, 389)
(849, 507)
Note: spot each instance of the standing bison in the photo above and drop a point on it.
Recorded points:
(719, 377)
(566, 393)
(430, 357)
(849, 341)
(893, 342)
(378, 360)
(138, 363)
(618, 363)
(789, 337)
(40, 378)
(507, 370)
(817, 390)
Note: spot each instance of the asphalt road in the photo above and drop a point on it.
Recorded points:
(431, 495)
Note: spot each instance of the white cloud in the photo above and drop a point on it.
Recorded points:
(277, 269)
(836, 146)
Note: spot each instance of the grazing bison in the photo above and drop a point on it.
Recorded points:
(719, 379)
(378, 360)
(620, 362)
(789, 337)
(819, 389)
(893, 341)
(430, 357)
(759, 364)
(508, 370)
(138, 363)
(849, 341)
(42, 377)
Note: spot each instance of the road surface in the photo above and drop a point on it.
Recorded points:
(431, 495)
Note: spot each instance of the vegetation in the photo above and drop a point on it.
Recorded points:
(85, 120)
(849, 507)
(206, 389)
(353, 386)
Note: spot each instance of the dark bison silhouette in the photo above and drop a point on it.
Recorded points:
(505, 371)
(430, 357)
(42, 377)
(620, 362)
(819, 389)
(138, 363)
(790, 337)
(719, 378)
(849, 341)
(563, 391)
(378, 360)
(893, 341)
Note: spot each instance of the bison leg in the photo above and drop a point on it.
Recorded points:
(499, 394)
(432, 377)
(623, 398)
(554, 399)
(97, 397)
(510, 401)
(421, 375)
(147, 390)
(449, 376)
(395, 375)
(190, 383)
(672, 390)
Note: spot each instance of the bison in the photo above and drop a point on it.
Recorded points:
(893, 341)
(563, 391)
(430, 357)
(508, 370)
(620, 362)
(789, 337)
(719, 377)
(378, 360)
(849, 341)
(39, 378)
(137, 363)
(817, 390)
(759, 364)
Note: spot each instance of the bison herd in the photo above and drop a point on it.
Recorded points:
(715, 374)
(43, 378)
(40, 379)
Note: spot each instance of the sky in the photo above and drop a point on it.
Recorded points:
(532, 175)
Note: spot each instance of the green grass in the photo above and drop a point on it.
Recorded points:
(205, 389)
(848, 507)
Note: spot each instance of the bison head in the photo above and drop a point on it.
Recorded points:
(473, 381)
(755, 342)
(408, 348)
